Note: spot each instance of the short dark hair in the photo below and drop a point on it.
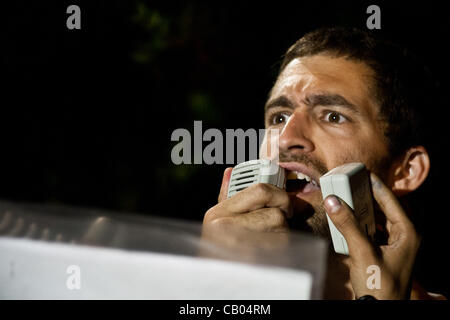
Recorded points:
(403, 86)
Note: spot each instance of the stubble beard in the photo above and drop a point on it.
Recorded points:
(316, 221)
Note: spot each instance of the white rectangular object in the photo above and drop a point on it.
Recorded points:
(42, 270)
(351, 183)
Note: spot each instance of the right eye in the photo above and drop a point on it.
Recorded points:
(279, 118)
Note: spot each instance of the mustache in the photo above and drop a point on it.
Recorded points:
(316, 164)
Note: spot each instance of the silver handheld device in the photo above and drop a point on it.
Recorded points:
(251, 172)
(351, 183)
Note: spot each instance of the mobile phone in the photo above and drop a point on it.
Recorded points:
(351, 183)
(251, 172)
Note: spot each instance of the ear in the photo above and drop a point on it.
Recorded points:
(409, 171)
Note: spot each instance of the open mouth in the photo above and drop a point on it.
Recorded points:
(299, 182)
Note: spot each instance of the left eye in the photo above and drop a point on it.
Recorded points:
(335, 117)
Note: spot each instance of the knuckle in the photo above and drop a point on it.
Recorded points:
(220, 222)
(262, 190)
(412, 231)
(415, 238)
(213, 212)
(285, 197)
(208, 215)
(344, 220)
(277, 217)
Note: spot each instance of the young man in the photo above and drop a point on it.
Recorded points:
(343, 96)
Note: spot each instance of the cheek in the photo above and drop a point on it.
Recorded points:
(373, 149)
(340, 151)
(375, 158)
(333, 151)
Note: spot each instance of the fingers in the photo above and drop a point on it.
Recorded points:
(344, 220)
(259, 196)
(388, 203)
(254, 197)
(267, 219)
(260, 207)
(402, 233)
(225, 183)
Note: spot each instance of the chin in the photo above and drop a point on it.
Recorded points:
(318, 224)
(310, 218)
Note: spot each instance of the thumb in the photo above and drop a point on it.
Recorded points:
(225, 183)
(344, 220)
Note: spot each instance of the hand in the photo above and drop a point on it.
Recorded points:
(395, 259)
(261, 207)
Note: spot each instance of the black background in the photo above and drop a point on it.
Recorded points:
(87, 115)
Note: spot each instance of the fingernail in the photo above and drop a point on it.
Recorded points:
(332, 204)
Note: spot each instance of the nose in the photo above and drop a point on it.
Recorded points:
(294, 138)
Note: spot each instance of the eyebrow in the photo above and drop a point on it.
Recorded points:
(313, 100)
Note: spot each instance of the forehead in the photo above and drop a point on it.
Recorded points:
(323, 73)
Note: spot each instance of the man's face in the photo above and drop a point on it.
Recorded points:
(326, 115)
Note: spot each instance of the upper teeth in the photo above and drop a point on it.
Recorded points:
(301, 176)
